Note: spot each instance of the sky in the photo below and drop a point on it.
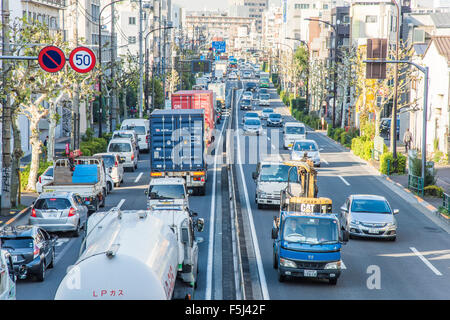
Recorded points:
(193, 5)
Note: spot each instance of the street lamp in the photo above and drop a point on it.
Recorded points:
(335, 65)
(307, 69)
(147, 63)
(100, 106)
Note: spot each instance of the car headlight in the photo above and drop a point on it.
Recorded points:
(390, 225)
(287, 263)
(333, 265)
(355, 222)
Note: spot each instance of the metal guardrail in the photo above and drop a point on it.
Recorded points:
(415, 183)
(446, 201)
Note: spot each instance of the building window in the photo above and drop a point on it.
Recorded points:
(95, 12)
(132, 20)
(371, 19)
(325, 7)
(131, 40)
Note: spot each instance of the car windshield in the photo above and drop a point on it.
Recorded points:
(122, 135)
(49, 172)
(162, 192)
(251, 115)
(305, 146)
(251, 84)
(119, 147)
(252, 122)
(370, 206)
(277, 173)
(109, 161)
(275, 116)
(17, 243)
(267, 110)
(263, 91)
(310, 230)
(245, 101)
(295, 130)
(264, 96)
(52, 203)
(137, 129)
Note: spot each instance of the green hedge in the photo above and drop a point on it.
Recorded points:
(25, 173)
(401, 163)
(433, 190)
(362, 147)
(90, 145)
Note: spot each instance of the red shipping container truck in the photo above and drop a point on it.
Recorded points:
(197, 99)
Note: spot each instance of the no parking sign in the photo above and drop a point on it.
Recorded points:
(51, 59)
(82, 59)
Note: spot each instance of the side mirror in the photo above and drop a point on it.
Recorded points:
(344, 208)
(146, 192)
(396, 211)
(200, 224)
(275, 228)
(255, 175)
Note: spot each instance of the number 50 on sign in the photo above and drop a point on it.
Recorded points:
(82, 59)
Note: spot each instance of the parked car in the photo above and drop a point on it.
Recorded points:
(253, 126)
(123, 148)
(370, 216)
(275, 120)
(385, 127)
(248, 115)
(44, 178)
(59, 211)
(114, 165)
(142, 129)
(246, 104)
(265, 113)
(32, 250)
(310, 148)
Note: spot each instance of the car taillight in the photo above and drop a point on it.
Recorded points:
(71, 212)
(36, 251)
(33, 212)
(132, 157)
(40, 180)
(116, 164)
(146, 138)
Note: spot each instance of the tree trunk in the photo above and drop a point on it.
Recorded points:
(377, 122)
(15, 164)
(51, 132)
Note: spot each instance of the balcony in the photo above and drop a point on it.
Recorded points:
(59, 4)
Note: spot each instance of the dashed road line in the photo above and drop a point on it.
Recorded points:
(343, 180)
(138, 177)
(120, 203)
(427, 263)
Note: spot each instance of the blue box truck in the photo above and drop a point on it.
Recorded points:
(178, 147)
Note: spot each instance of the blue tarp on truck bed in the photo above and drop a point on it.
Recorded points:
(177, 140)
(85, 173)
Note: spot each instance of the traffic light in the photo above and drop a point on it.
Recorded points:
(376, 49)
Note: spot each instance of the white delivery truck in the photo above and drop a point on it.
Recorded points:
(8, 277)
(136, 255)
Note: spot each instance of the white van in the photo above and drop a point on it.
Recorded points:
(293, 131)
(124, 148)
(142, 129)
(7, 277)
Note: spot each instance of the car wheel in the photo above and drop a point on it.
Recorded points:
(393, 238)
(117, 184)
(281, 277)
(76, 232)
(109, 187)
(102, 204)
(275, 262)
(41, 275)
(52, 263)
(260, 206)
(333, 281)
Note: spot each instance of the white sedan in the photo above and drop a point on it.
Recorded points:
(310, 148)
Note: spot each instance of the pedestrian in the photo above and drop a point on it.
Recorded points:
(407, 140)
(45, 142)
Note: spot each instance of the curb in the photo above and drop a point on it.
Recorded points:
(420, 201)
(18, 215)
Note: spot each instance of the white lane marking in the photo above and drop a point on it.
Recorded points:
(345, 181)
(326, 162)
(208, 290)
(262, 277)
(66, 248)
(428, 264)
(61, 241)
(120, 203)
(138, 177)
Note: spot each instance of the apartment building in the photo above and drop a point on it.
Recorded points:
(252, 9)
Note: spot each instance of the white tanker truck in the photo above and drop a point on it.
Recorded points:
(136, 255)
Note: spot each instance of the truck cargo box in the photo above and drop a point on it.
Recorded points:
(177, 133)
(85, 173)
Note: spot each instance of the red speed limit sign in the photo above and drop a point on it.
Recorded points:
(82, 59)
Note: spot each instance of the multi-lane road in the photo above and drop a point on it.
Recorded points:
(416, 266)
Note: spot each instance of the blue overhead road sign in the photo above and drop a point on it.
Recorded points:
(219, 46)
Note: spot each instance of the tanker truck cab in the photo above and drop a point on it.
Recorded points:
(167, 191)
(308, 243)
(8, 277)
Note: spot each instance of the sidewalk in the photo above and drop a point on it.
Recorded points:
(9, 216)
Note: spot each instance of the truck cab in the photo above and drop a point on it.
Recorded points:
(8, 276)
(167, 191)
(307, 240)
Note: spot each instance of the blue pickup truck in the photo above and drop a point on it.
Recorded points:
(308, 244)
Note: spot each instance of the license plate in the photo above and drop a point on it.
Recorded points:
(372, 230)
(310, 273)
(53, 215)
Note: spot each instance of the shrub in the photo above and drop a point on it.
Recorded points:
(337, 133)
(367, 150)
(330, 131)
(345, 139)
(416, 170)
(25, 173)
(401, 163)
(433, 190)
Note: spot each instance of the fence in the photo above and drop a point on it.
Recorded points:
(446, 202)
(415, 184)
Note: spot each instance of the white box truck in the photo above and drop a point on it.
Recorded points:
(136, 255)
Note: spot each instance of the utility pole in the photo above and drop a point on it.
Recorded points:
(164, 61)
(6, 113)
(141, 62)
(114, 102)
(75, 132)
(393, 128)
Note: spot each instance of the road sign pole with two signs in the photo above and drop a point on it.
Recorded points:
(52, 59)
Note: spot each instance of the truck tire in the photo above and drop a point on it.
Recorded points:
(281, 277)
(333, 281)
(275, 261)
(260, 206)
